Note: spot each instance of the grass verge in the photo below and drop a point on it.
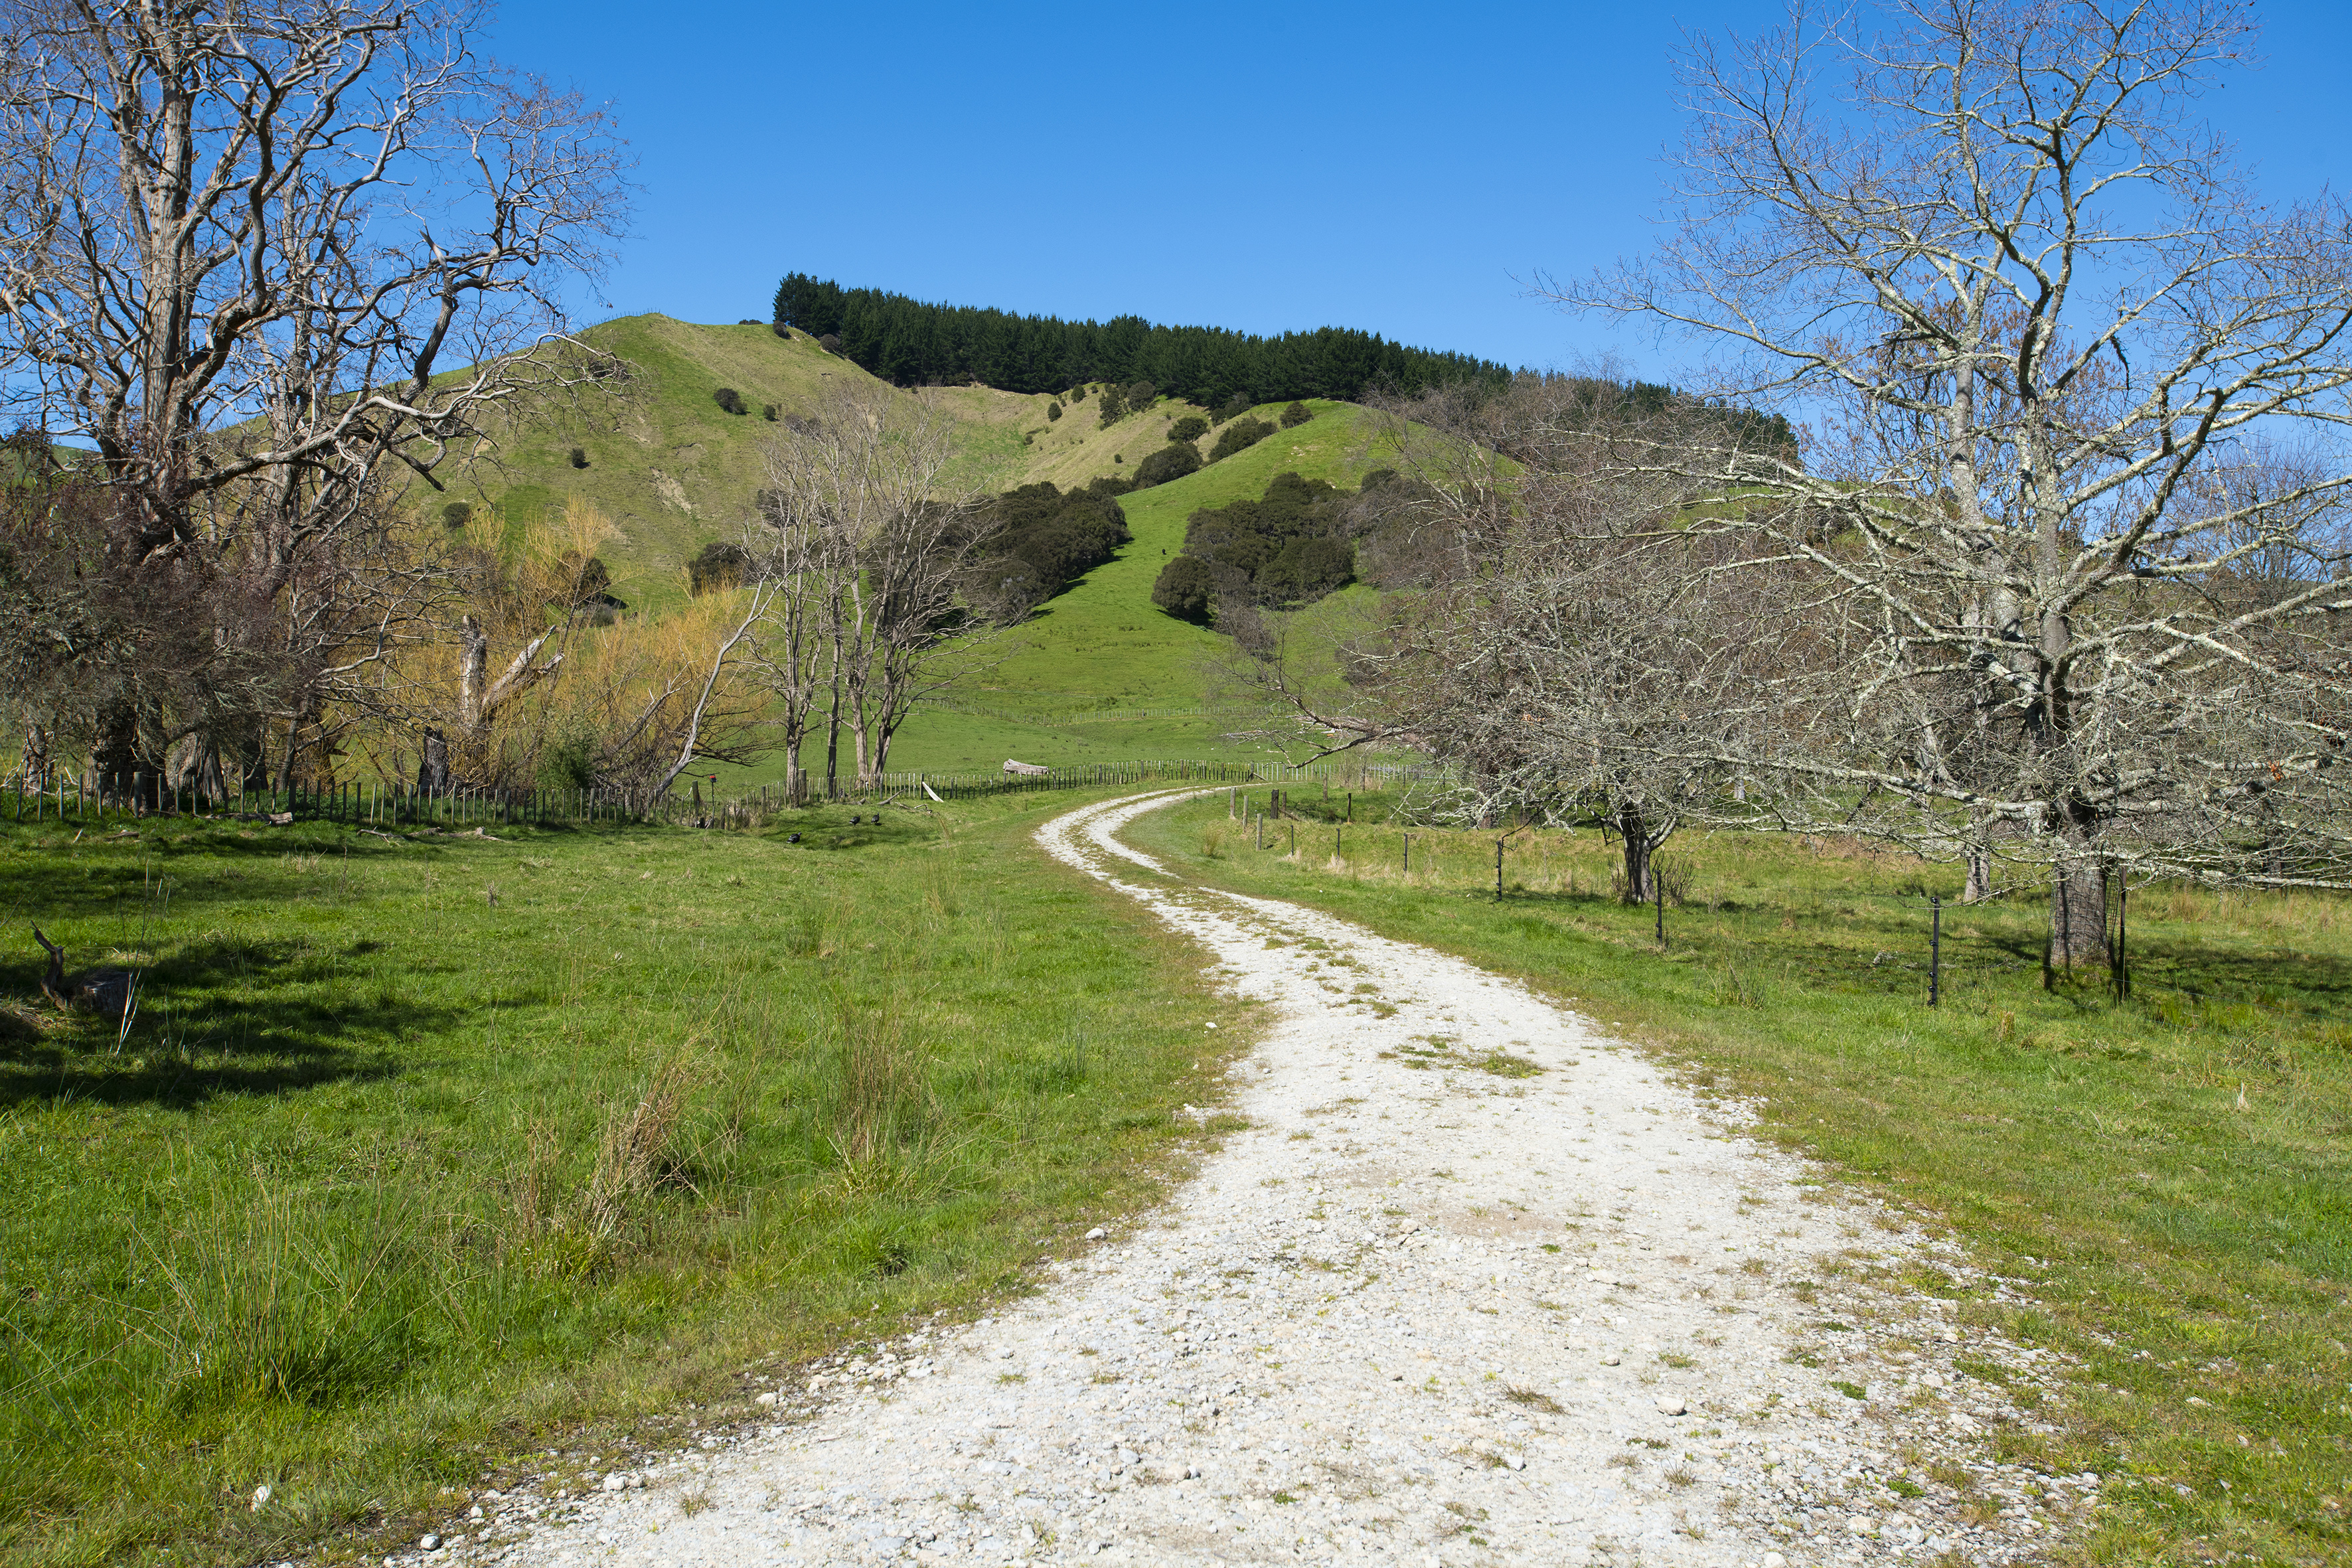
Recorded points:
(423, 1155)
(2162, 1176)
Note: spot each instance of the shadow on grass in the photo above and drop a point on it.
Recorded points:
(222, 1018)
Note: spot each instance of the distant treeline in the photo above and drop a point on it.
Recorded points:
(912, 343)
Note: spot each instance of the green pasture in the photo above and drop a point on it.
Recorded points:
(427, 1152)
(1103, 637)
(2164, 1176)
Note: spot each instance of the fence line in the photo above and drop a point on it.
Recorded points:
(98, 799)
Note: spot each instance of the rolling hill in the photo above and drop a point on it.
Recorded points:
(671, 471)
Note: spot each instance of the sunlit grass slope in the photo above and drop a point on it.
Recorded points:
(1104, 638)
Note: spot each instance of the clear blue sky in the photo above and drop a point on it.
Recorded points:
(1262, 167)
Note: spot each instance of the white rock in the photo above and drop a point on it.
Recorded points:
(1097, 1234)
(260, 1496)
(1671, 1404)
(617, 1481)
(767, 1398)
(428, 1543)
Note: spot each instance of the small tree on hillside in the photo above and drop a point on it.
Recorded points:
(728, 398)
(1191, 427)
(1172, 461)
(1295, 415)
(1186, 590)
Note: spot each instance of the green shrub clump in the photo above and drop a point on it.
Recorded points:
(1047, 538)
(456, 514)
(768, 411)
(1053, 411)
(1240, 436)
(1112, 408)
(728, 398)
(1291, 548)
(717, 566)
(1172, 461)
(1295, 415)
(1186, 590)
(579, 458)
(1191, 427)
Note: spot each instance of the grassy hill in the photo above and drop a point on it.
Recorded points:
(1101, 651)
(672, 470)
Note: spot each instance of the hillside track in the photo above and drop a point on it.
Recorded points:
(1475, 1283)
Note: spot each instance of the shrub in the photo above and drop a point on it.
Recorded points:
(1305, 570)
(1240, 436)
(579, 458)
(1047, 538)
(1075, 394)
(1139, 396)
(456, 514)
(584, 582)
(749, 321)
(1191, 427)
(729, 399)
(1185, 590)
(1295, 415)
(780, 331)
(1053, 411)
(768, 412)
(1113, 408)
(1289, 548)
(717, 565)
(829, 344)
(1172, 461)
(1119, 457)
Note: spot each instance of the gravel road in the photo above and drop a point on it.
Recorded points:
(1475, 1285)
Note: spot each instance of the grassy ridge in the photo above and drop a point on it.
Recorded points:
(421, 1153)
(1104, 638)
(2165, 1174)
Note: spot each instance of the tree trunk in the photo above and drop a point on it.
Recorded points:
(2078, 904)
(433, 765)
(116, 757)
(1636, 836)
(1979, 863)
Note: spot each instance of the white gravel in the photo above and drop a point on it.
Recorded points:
(1420, 1311)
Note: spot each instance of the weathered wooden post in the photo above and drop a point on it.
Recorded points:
(1935, 947)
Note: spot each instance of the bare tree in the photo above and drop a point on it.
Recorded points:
(806, 565)
(2046, 339)
(1570, 642)
(271, 264)
(877, 547)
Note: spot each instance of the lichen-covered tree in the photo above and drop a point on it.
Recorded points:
(2069, 526)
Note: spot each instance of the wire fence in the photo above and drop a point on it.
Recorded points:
(95, 799)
